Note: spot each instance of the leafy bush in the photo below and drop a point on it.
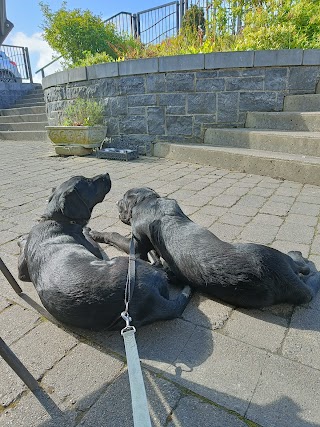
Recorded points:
(83, 112)
(193, 22)
(78, 34)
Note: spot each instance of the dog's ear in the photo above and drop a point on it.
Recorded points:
(72, 205)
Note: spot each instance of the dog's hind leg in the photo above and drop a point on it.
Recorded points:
(165, 309)
(23, 272)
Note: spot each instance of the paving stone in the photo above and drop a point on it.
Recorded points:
(4, 303)
(16, 321)
(40, 411)
(192, 411)
(233, 219)
(263, 234)
(225, 232)
(79, 378)
(207, 312)
(257, 328)
(302, 219)
(266, 219)
(10, 385)
(232, 390)
(33, 347)
(305, 209)
(302, 342)
(296, 233)
(273, 208)
(287, 395)
(225, 201)
(286, 246)
(114, 406)
(202, 219)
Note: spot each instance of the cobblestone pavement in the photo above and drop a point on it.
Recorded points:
(215, 366)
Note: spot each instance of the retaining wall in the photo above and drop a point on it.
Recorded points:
(174, 99)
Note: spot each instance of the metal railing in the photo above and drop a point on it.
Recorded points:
(17, 67)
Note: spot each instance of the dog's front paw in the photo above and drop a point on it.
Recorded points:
(97, 236)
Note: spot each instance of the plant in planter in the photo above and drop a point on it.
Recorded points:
(81, 128)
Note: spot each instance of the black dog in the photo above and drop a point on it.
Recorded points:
(244, 275)
(75, 282)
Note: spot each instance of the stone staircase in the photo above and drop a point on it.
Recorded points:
(282, 145)
(25, 121)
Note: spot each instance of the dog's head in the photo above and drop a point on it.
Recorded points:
(74, 199)
(132, 198)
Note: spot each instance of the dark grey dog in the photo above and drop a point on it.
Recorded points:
(75, 280)
(245, 275)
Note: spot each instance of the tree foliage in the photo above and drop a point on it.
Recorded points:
(76, 34)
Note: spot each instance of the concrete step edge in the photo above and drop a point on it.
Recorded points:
(297, 168)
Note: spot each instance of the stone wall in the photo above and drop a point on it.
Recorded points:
(10, 93)
(174, 99)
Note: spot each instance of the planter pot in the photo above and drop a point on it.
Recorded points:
(76, 140)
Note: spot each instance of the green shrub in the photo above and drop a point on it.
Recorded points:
(83, 112)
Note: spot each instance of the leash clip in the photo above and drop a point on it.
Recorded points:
(125, 316)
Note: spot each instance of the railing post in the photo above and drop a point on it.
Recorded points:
(27, 63)
(138, 26)
(177, 18)
(134, 25)
(181, 11)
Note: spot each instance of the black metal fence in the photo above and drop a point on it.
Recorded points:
(14, 64)
(158, 23)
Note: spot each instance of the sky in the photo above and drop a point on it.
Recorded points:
(27, 19)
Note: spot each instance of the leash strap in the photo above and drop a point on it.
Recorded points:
(140, 412)
(141, 416)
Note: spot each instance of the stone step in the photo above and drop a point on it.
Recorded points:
(29, 99)
(293, 167)
(23, 110)
(27, 126)
(24, 118)
(22, 104)
(38, 135)
(294, 121)
(302, 103)
(303, 143)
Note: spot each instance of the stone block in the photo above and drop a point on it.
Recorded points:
(276, 78)
(139, 100)
(156, 83)
(179, 125)
(77, 74)
(49, 81)
(133, 125)
(311, 57)
(181, 62)
(118, 105)
(201, 103)
(210, 85)
(227, 107)
(257, 101)
(169, 99)
(244, 83)
(137, 111)
(180, 82)
(131, 85)
(274, 58)
(176, 110)
(16, 321)
(156, 120)
(100, 71)
(112, 124)
(138, 66)
(303, 78)
(62, 77)
(228, 60)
